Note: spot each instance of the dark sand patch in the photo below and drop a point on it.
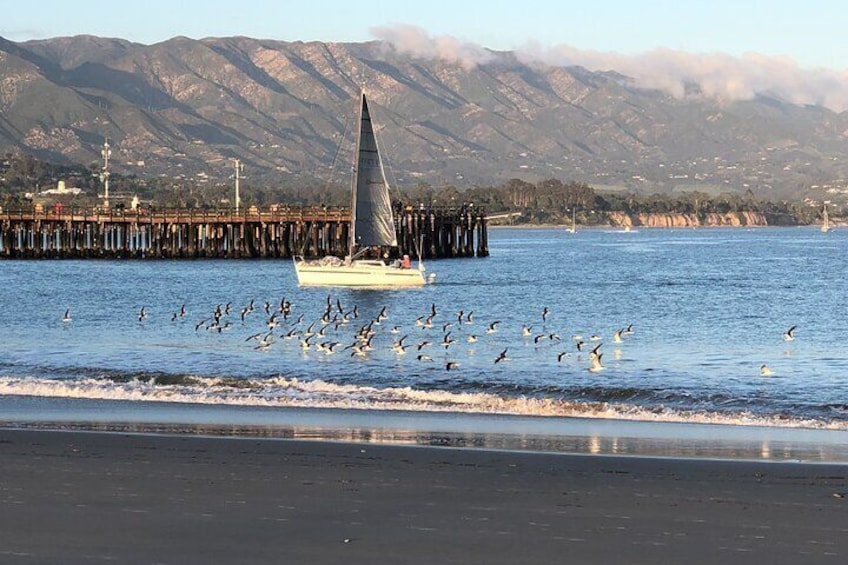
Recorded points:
(75, 497)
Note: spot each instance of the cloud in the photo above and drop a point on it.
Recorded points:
(719, 76)
(414, 41)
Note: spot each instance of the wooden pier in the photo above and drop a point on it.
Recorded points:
(279, 232)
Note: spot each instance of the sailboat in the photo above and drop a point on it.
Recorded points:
(825, 227)
(371, 227)
(573, 228)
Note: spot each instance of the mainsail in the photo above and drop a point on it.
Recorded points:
(372, 206)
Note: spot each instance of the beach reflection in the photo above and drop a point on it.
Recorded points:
(587, 436)
(586, 445)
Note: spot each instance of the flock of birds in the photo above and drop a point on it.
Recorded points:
(435, 332)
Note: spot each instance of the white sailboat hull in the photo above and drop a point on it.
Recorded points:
(365, 274)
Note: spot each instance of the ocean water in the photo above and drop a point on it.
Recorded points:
(707, 308)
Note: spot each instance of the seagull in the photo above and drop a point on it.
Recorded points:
(526, 330)
(545, 313)
(450, 365)
(447, 340)
(67, 316)
(493, 327)
(596, 363)
(381, 316)
(616, 336)
(501, 357)
(765, 371)
(790, 334)
(472, 339)
(424, 358)
(142, 314)
(561, 355)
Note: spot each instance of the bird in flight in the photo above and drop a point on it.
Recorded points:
(790, 334)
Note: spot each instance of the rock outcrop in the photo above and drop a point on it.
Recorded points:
(675, 220)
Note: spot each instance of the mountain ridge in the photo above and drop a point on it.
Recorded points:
(186, 107)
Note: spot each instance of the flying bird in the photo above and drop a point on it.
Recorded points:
(501, 356)
(67, 316)
(790, 334)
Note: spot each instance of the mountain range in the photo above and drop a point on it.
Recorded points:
(185, 108)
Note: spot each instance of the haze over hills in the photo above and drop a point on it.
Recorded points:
(186, 107)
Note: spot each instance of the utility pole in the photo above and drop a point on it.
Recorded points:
(239, 170)
(106, 152)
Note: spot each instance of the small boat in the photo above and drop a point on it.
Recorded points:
(372, 228)
(825, 227)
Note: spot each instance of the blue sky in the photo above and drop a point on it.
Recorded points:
(810, 32)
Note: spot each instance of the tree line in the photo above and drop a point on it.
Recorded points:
(549, 201)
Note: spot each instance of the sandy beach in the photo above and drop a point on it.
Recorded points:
(83, 497)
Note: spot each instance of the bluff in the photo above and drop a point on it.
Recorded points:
(675, 220)
(185, 108)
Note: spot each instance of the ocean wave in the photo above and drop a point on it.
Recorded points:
(284, 392)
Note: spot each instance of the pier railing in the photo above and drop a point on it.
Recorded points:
(278, 231)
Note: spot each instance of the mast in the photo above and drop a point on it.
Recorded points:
(354, 180)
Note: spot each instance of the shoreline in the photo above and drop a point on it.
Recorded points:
(76, 497)
(540, 434)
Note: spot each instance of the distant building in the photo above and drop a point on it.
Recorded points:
(60, 190)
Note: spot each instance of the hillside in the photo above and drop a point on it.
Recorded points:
(186, 107)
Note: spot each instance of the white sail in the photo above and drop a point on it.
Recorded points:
(372, 205)
(825, 227)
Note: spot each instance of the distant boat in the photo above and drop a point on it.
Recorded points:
(573, 228)
(372, 228)
(825, 227)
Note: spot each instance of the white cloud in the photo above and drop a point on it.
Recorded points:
(719, 75)
(414, 41)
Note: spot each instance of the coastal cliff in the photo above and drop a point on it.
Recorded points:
(677, 220)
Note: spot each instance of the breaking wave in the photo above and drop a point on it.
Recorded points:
(285, 392)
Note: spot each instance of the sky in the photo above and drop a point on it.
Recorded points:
(811, 32)
(797, 50)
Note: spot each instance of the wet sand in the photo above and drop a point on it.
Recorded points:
(77, 497)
